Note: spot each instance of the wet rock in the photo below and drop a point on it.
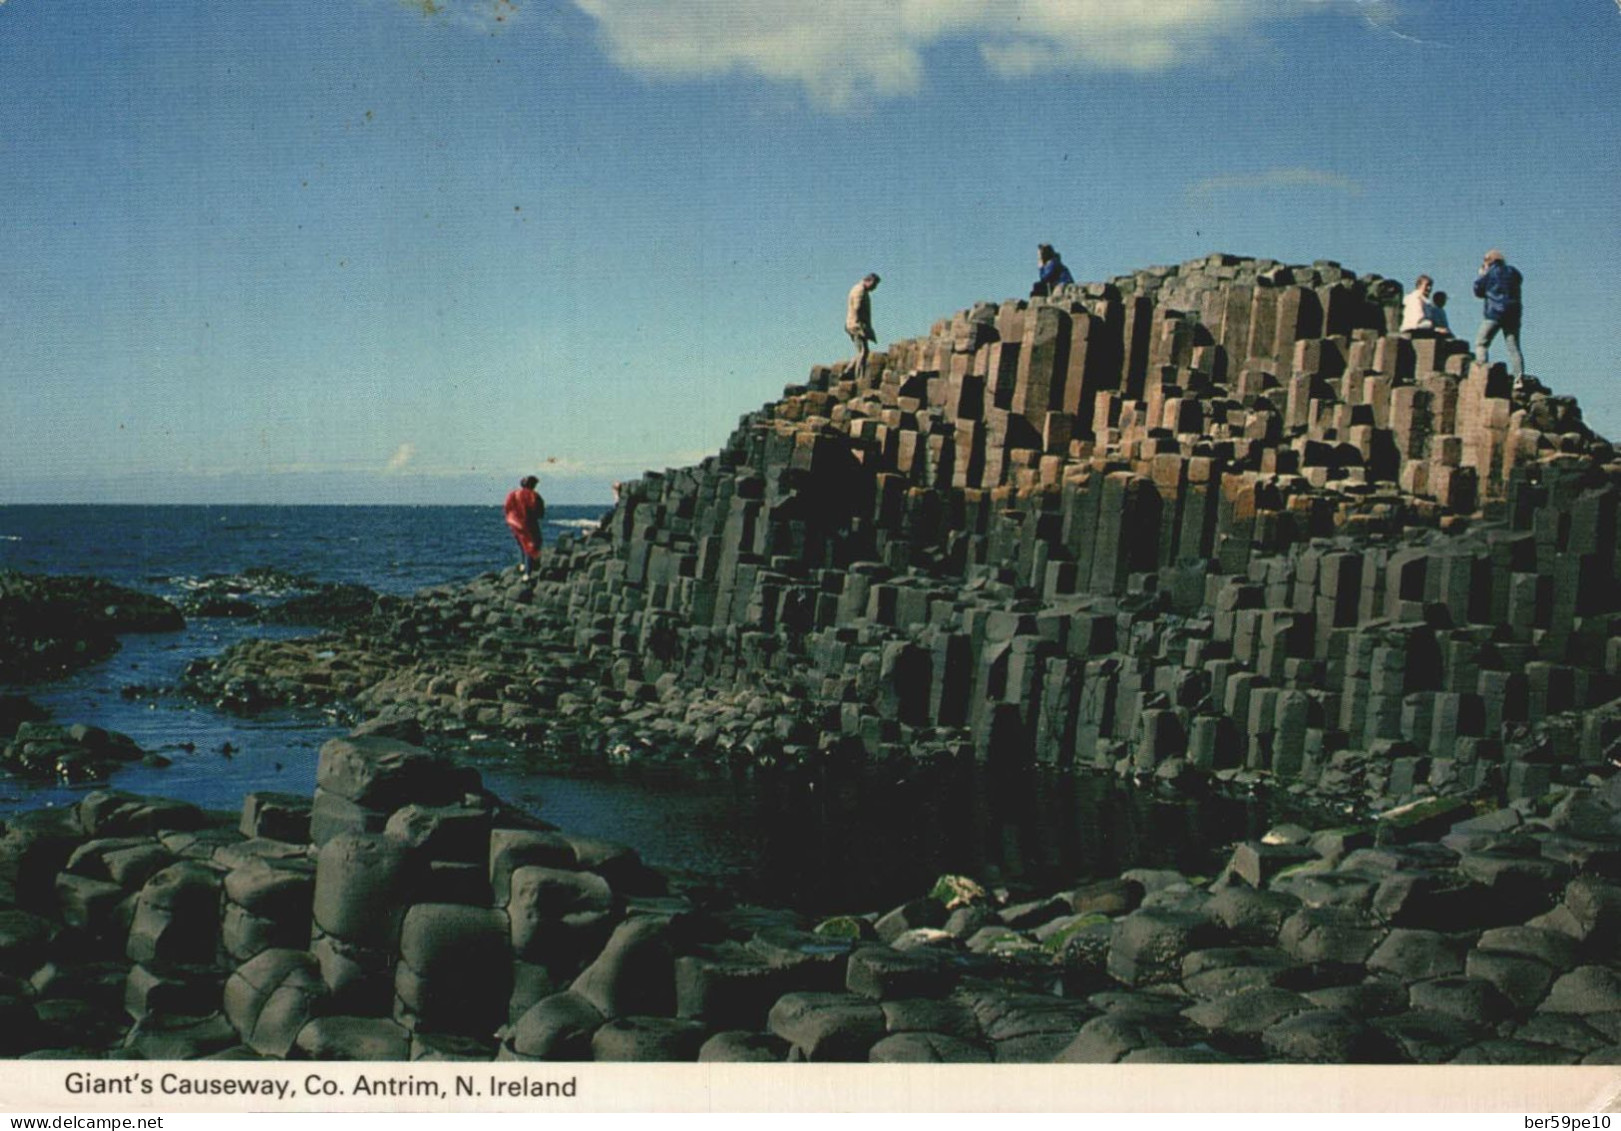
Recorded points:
(359, 980)
(53, 625)
(75, 753)
(1106, 897)
(1256, 862)
(24, 941)
(1515, 1052)
(1566, 1031)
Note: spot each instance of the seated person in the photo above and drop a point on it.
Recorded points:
(1438, 314)
(1417, 311)
(1052, 272)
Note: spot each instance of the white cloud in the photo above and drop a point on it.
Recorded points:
(843, 51)
(402, 457)
(1291, 177)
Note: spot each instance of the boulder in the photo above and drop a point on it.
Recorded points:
(1147, 946)
(635, 973)
(455, 969)
(354, 1038)
(1327, 1036)
(734, 1047)
(648, 1039)
(926, 1048)
(270, 998)
(177, 917)
(555, 912)
(883, 974)
(555, 1028)
(727, 987)
(384, 774)
(279, 816)
(361, 885)
(511, 849)
(827, 1027)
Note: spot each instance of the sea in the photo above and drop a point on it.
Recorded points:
(822, 839)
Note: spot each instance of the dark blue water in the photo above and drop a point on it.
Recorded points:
(161, 549)
(821, 839)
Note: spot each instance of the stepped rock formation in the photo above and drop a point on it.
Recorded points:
(1219, 517)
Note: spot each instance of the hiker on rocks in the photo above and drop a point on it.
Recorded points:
(1419, 311)
(858, 321)
(1499, 285)
(1052, 273)
(525, 511)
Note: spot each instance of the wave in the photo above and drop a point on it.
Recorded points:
(576, 523)
(11, 537)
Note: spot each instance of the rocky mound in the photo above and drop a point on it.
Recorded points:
(52, 625)
(1216, 519)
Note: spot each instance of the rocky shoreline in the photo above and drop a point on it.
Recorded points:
(50, 626)
(404, 913)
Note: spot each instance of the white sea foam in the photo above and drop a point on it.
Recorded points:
(578, 523)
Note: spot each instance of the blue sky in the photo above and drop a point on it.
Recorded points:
(409, 250)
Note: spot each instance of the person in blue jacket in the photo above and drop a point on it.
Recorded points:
(1053, 273)
(1499, 285)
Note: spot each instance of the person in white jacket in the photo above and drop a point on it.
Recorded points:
(1418, 312)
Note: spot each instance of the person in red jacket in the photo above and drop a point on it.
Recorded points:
(525, 511)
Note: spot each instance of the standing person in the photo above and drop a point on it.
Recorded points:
(858, 320)
(525, 510)
(1051, 272)
(1499, 285)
